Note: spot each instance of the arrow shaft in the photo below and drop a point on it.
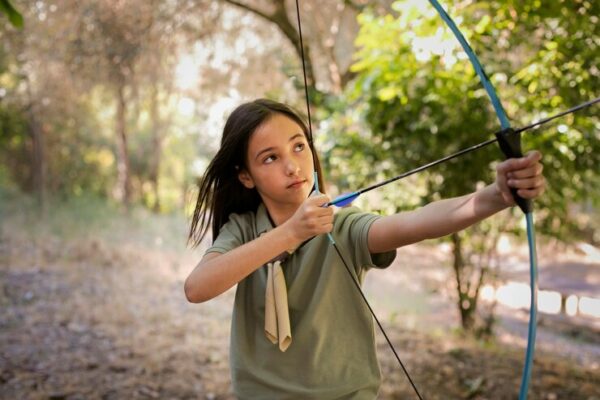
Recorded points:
(561, 114)
(462, 152)
(429, 165)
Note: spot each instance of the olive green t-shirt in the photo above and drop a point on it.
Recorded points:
(332, 354)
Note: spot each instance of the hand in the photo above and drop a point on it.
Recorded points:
(523, 174)
(311, 218)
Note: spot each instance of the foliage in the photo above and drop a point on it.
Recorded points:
(15, 18)
(58, 77)
(63, 74)
(421, 100)
(561, 44)
(78, 159)
(425, 101)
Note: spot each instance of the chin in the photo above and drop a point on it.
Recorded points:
(301, 195)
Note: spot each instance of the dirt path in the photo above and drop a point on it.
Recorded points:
(83, 320)
(420, 290)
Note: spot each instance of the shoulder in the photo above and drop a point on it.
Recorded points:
(241, 219)
(239, 229)
(352, 226)
(239, 224)
(352, 220)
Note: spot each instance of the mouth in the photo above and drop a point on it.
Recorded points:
(296, 184)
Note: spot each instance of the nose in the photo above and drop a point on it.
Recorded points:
(291, 167)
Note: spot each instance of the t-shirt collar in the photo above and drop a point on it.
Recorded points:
(263, 221)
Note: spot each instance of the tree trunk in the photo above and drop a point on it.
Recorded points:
(38, 160)
(470, 273)
(466, 305)
(38, 156)
(156, 147)
(123, 172)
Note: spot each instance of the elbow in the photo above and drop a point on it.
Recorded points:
(191, 293)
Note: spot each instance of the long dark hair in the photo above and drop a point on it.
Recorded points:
(220, 191)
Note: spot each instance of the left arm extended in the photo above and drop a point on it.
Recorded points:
(447, 216)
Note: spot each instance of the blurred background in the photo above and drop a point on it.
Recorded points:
(111, 110)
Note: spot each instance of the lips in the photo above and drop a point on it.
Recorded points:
(296, 184)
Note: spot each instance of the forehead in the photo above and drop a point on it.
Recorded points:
(275, 131)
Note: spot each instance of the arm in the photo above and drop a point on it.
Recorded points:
(447, 216)
(216, 272)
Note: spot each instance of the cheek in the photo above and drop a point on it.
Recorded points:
(308, 156)
(265, 176)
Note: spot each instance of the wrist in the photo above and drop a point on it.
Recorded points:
(490, 200)
(498, 199)
(286, 232)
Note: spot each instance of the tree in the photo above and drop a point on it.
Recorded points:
(117, 32)
(31, 69)
(328, 33)
(423, 101)
(79, 63)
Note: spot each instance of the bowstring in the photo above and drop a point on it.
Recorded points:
(354, 279)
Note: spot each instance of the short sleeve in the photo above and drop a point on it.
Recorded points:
(231, 235)
(353, 226)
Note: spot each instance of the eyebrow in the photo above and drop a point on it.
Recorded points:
(273, 148)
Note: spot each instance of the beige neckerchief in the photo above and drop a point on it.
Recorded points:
(277, 316)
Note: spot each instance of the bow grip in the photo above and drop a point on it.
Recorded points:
(510, 144)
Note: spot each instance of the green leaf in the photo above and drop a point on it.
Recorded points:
(483, 24)
(387, 93)
(15, 18)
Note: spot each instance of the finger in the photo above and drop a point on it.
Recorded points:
(325, 223)
(519, 163)
(534, 155)
(501, 178)
(530, 193)
(502, 184)
(315, 195)
(534, 170)
(527, 183)
(324, 213)
(539, 188)
(318, 199)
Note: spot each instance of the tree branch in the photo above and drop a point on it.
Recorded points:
(280, 18)
(253, 10)
(354, 6)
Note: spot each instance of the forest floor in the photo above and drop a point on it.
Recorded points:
(100, 313)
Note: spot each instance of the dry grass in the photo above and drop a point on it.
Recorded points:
(97, 313)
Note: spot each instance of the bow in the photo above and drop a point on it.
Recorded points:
(509, 140)
(510, 144)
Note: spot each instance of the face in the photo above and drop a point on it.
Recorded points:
(279, 163)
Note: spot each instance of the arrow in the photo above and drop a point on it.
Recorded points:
(347, 198)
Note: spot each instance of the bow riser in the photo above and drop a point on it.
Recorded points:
(510, 144)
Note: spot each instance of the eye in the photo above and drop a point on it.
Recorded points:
(269, 159)
(299, 147)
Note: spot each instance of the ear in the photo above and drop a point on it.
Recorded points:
(246, 179)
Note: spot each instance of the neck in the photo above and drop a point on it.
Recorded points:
(280, 214)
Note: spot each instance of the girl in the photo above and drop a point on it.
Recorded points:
(299, 329)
